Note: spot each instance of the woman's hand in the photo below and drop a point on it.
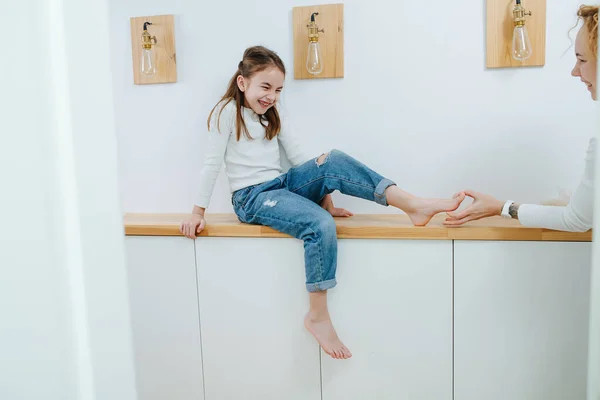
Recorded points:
(327, 204)
(483, 206)
(193, 226)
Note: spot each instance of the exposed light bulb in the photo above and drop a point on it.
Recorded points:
(521, 45)
(314, 64)
(314, 58)
(148, 62)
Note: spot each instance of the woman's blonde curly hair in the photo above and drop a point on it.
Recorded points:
(589, 16)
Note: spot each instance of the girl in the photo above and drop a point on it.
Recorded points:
(242, 130)
(578, 215)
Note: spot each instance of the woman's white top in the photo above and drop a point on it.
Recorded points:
(578, 215)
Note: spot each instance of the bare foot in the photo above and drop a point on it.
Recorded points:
(421, 210)
(322, 329)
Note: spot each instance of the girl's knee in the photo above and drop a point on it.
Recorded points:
(324, 158)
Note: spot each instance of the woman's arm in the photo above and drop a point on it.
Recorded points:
(577, 216)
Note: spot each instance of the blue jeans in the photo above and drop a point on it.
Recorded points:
(290, 204)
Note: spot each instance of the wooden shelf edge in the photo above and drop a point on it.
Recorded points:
(376, 226)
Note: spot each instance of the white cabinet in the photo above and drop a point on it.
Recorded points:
(426, 320)
(393, 309)
(253, 300)
(521, 320)
(164, 315)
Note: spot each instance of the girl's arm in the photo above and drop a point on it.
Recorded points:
(218, 137)
(195, 224)
(199, 211)
(327, 204)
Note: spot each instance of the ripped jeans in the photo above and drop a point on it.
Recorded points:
(290, 204)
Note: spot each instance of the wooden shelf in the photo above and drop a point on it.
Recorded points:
(364, 226)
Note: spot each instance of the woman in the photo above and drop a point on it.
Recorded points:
(577, 216)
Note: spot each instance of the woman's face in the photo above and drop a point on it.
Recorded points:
(585, 67)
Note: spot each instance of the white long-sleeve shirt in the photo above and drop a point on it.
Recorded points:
(247, 162)
(578, 215)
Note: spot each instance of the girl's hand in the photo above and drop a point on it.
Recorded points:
(339, 212)
(327, 204)
(194, 225)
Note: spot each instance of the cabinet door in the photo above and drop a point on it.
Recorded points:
(521, 320)
(252, 304)
(164, 316)
(393, 309)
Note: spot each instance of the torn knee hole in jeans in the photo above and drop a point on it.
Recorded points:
(322, 159)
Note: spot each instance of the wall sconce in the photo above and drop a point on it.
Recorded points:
(314, 64)
(521, 45)
(148, 61)
(324, 55)
(513, 39)
(153, 52)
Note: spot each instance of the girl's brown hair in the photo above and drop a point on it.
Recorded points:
(589, 16)
(256, 59)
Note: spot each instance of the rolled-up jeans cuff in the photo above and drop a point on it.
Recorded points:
(320, 286)
(380, 197)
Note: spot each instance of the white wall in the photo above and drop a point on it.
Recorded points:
(416, 104)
